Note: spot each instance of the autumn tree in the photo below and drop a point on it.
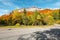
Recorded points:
(10, 19)
(3, 21)
(16, 17)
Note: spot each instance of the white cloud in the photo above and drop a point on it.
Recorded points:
(57, 4)
(2, 11)
(8, 3)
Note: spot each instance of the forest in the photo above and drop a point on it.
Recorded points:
(38, 17)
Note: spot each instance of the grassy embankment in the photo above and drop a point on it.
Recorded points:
(46, 26)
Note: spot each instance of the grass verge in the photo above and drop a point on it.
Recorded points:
(47, 26)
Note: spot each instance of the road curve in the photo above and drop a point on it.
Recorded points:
(14, 34)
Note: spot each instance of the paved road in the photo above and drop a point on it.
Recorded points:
(14, 34)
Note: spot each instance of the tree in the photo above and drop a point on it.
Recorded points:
(16, 17)
(3, 20)
(55, 16)
(24, 17)
(49, 20)
(42, 19)
(10, 19)
(59, 14)
(36, 18)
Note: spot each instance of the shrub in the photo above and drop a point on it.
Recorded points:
(58, 22)
(17, 24)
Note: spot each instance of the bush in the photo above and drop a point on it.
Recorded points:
(17, 24)
(58, 22)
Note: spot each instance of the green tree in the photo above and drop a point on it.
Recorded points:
(55, 15)
(36, 18)
(24, 17)
(59, 14)
(49, 20)
(3, 21)
(42, 19)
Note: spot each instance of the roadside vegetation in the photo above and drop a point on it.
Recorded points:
(37, 18)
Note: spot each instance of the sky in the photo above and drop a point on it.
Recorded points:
(6, 6)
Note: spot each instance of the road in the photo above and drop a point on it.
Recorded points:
(14, 34)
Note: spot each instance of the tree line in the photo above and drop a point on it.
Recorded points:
(36, 18)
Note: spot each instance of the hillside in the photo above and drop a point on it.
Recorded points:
(30, 11)
(31, 15)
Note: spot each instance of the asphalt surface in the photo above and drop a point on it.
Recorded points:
(26, 33)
